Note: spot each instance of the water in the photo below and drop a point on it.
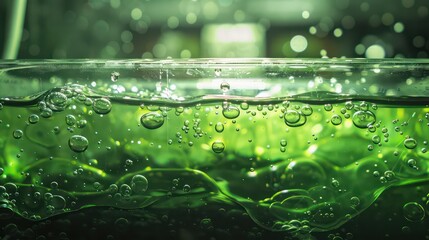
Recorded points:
(293, 167)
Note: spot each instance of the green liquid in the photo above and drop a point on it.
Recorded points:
(292, 166)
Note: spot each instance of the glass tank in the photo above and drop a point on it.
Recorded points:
(223, 148)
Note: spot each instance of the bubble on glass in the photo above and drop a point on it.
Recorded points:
(33, 118)
(362, 119)
(231, 112)
(152, 120)
(292, 116)
(219, 127)
(17, 134)
(139, 184)
(218, 146)
(224, 86)
(70, 120)
(410, 143)
(114, 76)
(413, 212)
(336, 119)
(186, 188)
(57, 101)
(78, 143)
(102, 106)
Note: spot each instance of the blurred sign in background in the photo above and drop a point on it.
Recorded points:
(220, 28)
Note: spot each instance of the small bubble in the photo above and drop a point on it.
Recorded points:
(218, 146)
(152, 120)
(57, 101)
(410, 143)
(54, 185)
(283, 142)
(412, 163)
(376, 139)
(46, 113)
(335, 183)
(70, 120)
(102, 106)
(224, 86)
(362, 119)
(139, 184)
(219, 127)
(17, 134)
(328, 107)
(33, 118)
(114, 76)
(186, 188)
(231, 112)
(244, 105)
(292, 116)
(218, 72)
(336, 119)
(413, 212)
(355, 201)
(349, 105)
(78, 143)
(306, 110)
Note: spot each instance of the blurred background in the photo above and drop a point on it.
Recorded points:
(216, 28)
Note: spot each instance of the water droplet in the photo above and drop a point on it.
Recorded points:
(224, 86)
(410, 143)
(186, 188)
(307, 110)
(206, 223)
(139, 184)
(219, 127)
(283, 142)
(152, 120)
(413, 212)
(363, 119)
(81, 123)
(114, 76)
(33, 118)
(54, 185)
(335, 183)
(328, 107)
(336, 119)
(70, 120)
(102, 106)
(57, 101)
(78, 143)
(231, 112)
(128, 162)
(125, 190)
(218, 146)
(17, 134)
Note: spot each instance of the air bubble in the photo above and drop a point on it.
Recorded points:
(231, 112)
(306, 110)
(413, 212)
(102, 106)
(219, 127)
(57, 101)
(218, 146)
(410, 143)
(33, 118)
(283, 142)
(328, 107)
(186, 188)
(17, 134)
(363, 119)
(292, 116)
(70, 120)
(412, 163)
(376, 139)
(244, 105)
(152, 120)
(114, 76)
(78, 143)
(224, 86)
(139, 184)
(336, 120)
